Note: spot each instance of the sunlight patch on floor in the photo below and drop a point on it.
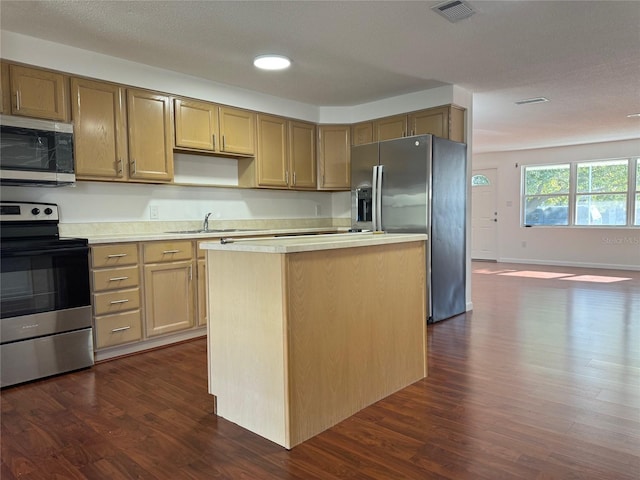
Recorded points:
(536, 274)
(595, 278)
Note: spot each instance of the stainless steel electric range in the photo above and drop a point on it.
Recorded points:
(45, 307)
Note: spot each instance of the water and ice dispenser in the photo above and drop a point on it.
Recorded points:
(364, 203)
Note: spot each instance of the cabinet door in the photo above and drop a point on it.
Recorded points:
(237, 129)
(362, 133)
(434, 121)
(196, 124)
(272, 155)
(100, 139)
(39, 93)
(150, 142)
(391, 127)
(5, 94)
(334, 157)
(302, 155)
(168, 297)
(202, 292)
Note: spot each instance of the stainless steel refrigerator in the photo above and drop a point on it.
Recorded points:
(418, 184)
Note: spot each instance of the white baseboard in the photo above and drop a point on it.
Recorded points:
(570, 264)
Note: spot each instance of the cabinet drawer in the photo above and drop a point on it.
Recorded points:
(116, 329)
(114, 255)
(116, 302)
(114, 278)
(156, 252)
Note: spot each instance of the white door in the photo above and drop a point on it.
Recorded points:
(484, 219)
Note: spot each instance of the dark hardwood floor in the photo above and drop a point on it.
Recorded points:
(541, 381)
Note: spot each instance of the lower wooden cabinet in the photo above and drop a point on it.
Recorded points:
(115, 285)
(202, 291)
(113, 330)
(168, 286)
(144, 290)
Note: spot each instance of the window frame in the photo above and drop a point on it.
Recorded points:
(632, 193)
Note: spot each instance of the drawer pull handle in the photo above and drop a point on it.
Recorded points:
(115, 302)
(121, 329)
(170, 251)
(117, 279)
(117, 255)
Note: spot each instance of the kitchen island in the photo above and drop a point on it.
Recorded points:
(305, 331)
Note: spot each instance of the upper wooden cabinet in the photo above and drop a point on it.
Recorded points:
(150, 136)
(302, 155)
(207, 127)
(196, 125)
(445, 122)
(334, 157)
(237, 130)
(285, 153)
(5, 96)
(39, 93)
(272, 156)
(362, 133)
(98, 111)
(390, 127)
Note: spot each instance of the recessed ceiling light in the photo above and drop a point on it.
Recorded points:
(271, 62)
(633, 115)
(532, 100)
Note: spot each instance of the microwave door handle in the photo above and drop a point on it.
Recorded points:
(379, 197)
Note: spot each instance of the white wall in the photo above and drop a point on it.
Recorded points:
(604, 247)
(89, 202)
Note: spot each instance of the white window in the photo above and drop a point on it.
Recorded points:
(479, 180)
(546, 195)
(593, 193)
(601, 193)
(637, 200)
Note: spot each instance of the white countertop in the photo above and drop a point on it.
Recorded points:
(152, 236)
(307, 243)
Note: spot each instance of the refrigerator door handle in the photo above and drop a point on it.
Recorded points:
(374, 202)
(378, 198)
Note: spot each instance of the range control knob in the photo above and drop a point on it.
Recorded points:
(35, 211)
(48, 211)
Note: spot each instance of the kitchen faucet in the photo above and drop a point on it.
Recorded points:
(205, 224)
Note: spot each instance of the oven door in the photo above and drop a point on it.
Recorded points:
(43, 278)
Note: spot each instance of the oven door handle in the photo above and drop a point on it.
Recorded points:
(46, 251)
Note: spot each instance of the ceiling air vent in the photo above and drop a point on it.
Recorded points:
(532, 100)
(454, 11)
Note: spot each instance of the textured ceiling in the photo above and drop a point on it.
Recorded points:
(583, 56)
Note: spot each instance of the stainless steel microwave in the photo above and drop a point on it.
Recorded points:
(36, 152)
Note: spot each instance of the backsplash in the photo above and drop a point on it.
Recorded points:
(97, 202)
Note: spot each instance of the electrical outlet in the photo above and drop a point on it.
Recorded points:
(524, 244)
(154, 212)
(317, 210)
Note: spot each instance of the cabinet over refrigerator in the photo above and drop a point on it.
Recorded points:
(418, 185)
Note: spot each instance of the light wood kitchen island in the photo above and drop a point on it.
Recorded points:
(303, 332)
